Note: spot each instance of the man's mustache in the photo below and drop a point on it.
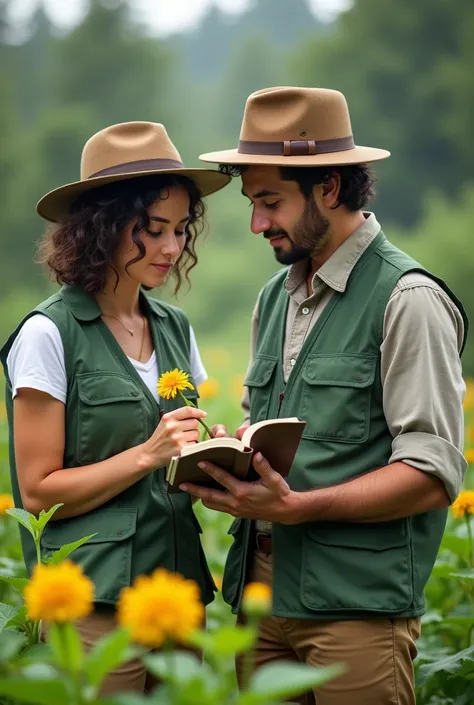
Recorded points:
(274, 233)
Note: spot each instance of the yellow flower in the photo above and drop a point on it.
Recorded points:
(172, 382)
(464, 504)
(238, 386)
(59, 593)
(6, 502)
(209, 388)
(469, 398)
(257, 599)
(159, 607)
(469, 455)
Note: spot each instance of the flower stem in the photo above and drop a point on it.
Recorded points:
(471, 545)
(190, 403)
(248, 656)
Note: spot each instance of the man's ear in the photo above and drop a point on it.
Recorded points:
(331, 185)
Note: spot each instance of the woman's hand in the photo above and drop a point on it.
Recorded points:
(176, 429)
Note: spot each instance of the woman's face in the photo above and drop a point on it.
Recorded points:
(164, 242)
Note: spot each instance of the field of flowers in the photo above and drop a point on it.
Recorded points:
(59, 672)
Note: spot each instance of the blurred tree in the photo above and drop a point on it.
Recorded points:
(405, 69)
(107, 62)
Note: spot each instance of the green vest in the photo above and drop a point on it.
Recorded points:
(337, 570)
(108, 410)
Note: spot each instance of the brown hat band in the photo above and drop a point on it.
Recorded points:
(140, 165)
(296, 148)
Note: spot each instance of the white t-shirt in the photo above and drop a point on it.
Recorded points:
(36, 360)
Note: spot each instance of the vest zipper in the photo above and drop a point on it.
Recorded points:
(281, 396)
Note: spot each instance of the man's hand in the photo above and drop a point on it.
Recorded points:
(270, 498)
(219, 431)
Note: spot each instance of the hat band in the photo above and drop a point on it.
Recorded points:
(140, 165)
(296, 148)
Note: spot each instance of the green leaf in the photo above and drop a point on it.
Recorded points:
(450, 664)
(65, 551)
(18, 583)
(23, 517)
(226, 641)
(44, 517)
(108, 653)
(11, 643)
(177, 666)
(126, 699)
(66, 645)
(7, 613)
(467, 574)
(33, 691)
(281, 680)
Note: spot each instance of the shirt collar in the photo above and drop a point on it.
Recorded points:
(335, 272)
(85, 308)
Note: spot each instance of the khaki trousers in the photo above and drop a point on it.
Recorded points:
(130, 676)
(378, 653)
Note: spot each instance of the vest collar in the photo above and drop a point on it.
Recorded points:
(85, 308)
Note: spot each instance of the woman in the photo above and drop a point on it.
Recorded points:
(82, 371)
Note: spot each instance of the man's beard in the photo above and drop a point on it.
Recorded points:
(309, 236)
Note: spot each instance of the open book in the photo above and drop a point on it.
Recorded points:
(276, 439)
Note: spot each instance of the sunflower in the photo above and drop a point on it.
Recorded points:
(257, 599)
(464, 504)
(160, 607)
(59, 593)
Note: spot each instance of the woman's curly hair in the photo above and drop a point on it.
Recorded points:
(80, 249)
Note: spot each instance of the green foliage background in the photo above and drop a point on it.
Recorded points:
(406, 70)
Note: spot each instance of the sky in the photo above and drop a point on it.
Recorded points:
(163, 16)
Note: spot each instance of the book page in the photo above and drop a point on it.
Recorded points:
(248, 433)
(212, 443)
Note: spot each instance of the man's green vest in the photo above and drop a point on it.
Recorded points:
(337, 570)
(108, 410)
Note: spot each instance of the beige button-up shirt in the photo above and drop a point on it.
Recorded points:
(421, 375)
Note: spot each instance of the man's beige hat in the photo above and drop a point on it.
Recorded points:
(289, 126)
(126, 151)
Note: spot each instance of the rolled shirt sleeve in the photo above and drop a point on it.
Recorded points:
(421, 374)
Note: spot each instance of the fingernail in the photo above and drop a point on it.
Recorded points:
(184, 488)
(202, 466)
(258, 457)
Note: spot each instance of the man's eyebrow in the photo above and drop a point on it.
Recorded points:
(260, 194)
(164, 220)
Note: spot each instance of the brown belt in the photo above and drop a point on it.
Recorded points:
(263, 542)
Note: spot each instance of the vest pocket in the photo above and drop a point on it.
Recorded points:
(258, 381)
(107, 557)
(111, 415)
(336, 397)
(349, 566)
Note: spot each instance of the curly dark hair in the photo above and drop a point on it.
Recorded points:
(357, 181)
(81, 247)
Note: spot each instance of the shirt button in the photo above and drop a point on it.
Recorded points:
(292, 361)
(305, 310)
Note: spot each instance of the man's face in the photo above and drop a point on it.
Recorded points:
(294, 226)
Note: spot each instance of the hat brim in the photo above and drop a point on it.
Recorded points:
(357, 155)
(56, 204)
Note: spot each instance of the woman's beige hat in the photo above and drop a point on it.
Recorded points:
(125, 151)
(288, 126)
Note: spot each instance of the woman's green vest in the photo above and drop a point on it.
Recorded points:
(337, 570)
(108, 410)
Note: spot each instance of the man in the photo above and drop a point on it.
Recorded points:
(355, 338)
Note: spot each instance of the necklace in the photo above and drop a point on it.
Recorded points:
(109, 315)
(129, 330)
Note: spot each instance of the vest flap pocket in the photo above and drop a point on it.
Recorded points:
(97, 388)
(340, 370)
(357, 567)
(261, 371)
(373, 537)
(109, 525)
(336, 397)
